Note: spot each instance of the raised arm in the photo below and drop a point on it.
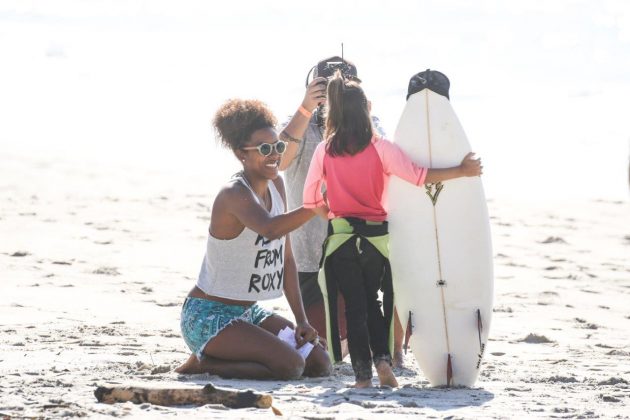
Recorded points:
(293, 132)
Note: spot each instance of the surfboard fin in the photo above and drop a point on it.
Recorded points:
(449, 371)
(408, 331)
(482, 346)
(479, 327)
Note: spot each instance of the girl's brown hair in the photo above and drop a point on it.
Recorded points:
(348, 123)
(237, 119)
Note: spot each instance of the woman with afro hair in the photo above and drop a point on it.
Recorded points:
(248, 258)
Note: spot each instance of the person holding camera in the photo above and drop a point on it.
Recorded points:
(303, 132)
(248, 258)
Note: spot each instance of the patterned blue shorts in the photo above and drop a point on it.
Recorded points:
(203, 319)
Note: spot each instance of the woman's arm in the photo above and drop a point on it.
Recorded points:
(304, 332)
(240, 202)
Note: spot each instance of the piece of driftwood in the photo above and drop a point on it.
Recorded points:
(209, 394)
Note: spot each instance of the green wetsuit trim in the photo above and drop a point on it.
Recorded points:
(342, 232)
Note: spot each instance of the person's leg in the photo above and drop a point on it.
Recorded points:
(373, 265)
(317, 362)
(343, 328)
(316, 315)
(313, 301)
(243, 350)
(224, 368)
(228, 344)
(345, 267)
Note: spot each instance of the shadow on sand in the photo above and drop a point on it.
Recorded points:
(330, 393)
(409, 396)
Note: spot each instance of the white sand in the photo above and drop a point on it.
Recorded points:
(95, 263)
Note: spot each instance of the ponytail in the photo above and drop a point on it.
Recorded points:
(348, 123)
(334, 114)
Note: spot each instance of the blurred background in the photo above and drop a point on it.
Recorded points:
(540, 87)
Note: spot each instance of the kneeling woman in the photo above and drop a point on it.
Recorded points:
(249, 258)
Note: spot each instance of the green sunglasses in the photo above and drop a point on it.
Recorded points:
(266, 149)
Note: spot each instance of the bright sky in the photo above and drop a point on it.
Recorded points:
(540, 86)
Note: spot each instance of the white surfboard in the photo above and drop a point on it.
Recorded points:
(440, 248)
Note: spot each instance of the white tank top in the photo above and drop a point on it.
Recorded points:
(248, 267)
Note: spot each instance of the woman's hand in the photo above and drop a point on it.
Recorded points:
(321, 211)
(304, 333)
(470, 166)
(315, 94)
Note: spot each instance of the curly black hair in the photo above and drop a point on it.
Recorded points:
(237, 119)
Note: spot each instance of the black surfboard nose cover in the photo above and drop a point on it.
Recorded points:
(429, 79)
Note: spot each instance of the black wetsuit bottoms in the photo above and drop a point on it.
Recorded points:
(358, 268)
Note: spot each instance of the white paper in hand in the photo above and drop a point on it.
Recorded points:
(288, 336)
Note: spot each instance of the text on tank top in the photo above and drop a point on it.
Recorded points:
(248, 267)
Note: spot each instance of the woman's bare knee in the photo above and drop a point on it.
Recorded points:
(290, 367)
(318, 364)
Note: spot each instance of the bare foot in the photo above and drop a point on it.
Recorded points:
(363, 384)
(190, 366)
(385, 374)
(398, 359)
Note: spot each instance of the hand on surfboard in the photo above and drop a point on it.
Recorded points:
(470, 166)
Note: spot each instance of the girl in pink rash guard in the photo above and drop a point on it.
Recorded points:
(349, 173)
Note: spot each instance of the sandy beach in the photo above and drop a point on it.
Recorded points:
(108, 170)
(95, 262)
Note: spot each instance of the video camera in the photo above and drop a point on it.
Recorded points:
(326, 69)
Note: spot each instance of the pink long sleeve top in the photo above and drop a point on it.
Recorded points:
(356, 185)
